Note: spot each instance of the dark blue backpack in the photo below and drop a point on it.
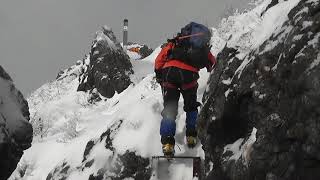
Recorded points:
(196, 35)
(192, 45)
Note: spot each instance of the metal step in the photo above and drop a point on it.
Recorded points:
(197, 169)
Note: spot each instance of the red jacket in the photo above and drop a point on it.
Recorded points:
(162, 61)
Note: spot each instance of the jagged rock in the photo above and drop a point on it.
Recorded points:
(278, 93)
(273, 3)
(115, 166)
(145, 51)
(130, 165)
(61, 172)
(109, 67)
(15, 130)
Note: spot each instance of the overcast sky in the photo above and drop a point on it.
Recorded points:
(40, 37)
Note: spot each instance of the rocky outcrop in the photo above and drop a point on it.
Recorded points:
(109, 67)
(273, 3)
(145, 51)
(261, 116)
(15, 130)
(115, 166)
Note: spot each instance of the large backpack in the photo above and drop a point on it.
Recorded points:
(192, 45)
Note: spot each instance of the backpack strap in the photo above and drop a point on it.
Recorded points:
(162, 57)
(189, 36)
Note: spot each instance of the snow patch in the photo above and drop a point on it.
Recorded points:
(314, 41)
(252, 85)
(297, 37)
(241, 149)
(306, 24)
(227, 92)
(133, 55)
(245, 62)
(235, 148)
(95, 52)
(315, 2)
(261, 96)
(315, 63)
(266, 68)
(276, 65)
(227, 82)
(247, 147)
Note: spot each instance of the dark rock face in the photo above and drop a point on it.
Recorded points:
(109, 67)
(145, 51)
(60, 172)
(273, 3)
(128, 165)
(15, 130)
(278, 93)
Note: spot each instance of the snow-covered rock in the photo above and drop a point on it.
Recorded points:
(15, 130)
(109, 67)
(268, 125)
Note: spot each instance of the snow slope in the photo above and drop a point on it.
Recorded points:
(69, 122)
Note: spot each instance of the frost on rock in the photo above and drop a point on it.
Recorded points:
(227, 82)
(106, 36)
(227, 93)
(241, 148)
(274, 68)
(315, 63)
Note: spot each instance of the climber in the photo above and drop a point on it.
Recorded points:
(176, 68)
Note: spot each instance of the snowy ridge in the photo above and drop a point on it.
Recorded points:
(64, 85)
(247, 31)
(106, 35)
(69, 122)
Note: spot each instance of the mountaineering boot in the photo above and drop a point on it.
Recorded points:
(167, 132)
(168, 145)
(191, 141)
(191, 138)
(191, 133)
(168, 150)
